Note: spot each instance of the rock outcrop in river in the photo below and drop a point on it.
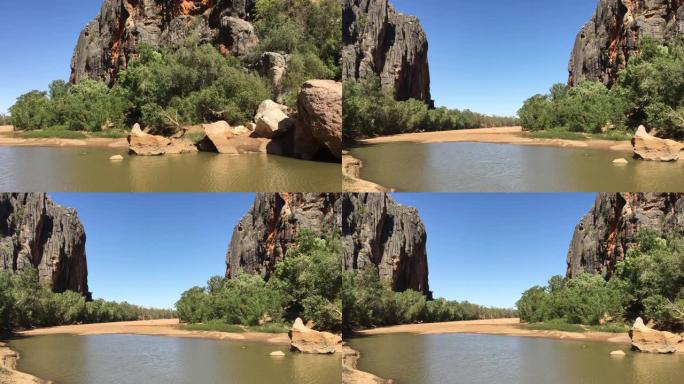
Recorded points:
(109, 42)
(37, 233)
(271, 226)
(605, 234)
(611, 37)
(379, 40)
(376, 231)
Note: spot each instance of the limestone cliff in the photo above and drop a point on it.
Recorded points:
(376, 231)
(109, 42)
(604, 235)
(377, 39)
(37, 233)
(263, 236)
(612, 36)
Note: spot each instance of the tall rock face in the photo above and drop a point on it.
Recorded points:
(612, 36)
(379, 40)
(611, 228)
(271, 226)
(37, 233)
(376, 231)
(108, 43)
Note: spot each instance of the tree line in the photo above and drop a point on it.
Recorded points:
(370, 111)
(305, 284)
(649, 91)
(26, 303)
(648, 283)
(194, 83)
(370, 302)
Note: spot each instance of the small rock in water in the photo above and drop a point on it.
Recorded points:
(618, 353)
(116, 158)
(278, 353)
(620, 162)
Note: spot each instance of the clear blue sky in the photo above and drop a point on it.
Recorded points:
(489, 56)
(148, 248)
(37, 38)
(489, 248)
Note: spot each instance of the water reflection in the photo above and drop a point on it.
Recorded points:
(77, 169)
(479, 167)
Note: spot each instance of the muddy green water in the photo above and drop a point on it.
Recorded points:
(479, 167)
(123, 359)
(38, 169)
(475, 359)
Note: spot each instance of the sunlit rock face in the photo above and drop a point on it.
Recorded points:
(611, 228)
(378, 232)
(379, 40)
(112, 39)
(611, 37)
(36, 233)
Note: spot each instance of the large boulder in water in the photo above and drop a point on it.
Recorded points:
(319, 118)
(645, 339)
(306, 340)
(222, 138)
(271, 119)
(648, 147)
(143, 144)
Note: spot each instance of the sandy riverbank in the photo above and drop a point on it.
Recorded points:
(93, 142)
(504, 135)
(501, 327)
(352, 182)
(8, 369)
(157, 328)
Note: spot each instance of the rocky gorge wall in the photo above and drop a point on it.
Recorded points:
(376, 231)
(379, 40)
(611, 228)
(108, 43)
(263, 236)
(37, 233)
(611, 37)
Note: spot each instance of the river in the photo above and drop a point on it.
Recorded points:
(40, 169)
(481, 167)
(123, 359)
(483, 359)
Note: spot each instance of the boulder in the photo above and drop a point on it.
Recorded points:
(648, 147)
(649, 340)
(271, 119)
(277, 354)
(116, 158)
(618, 353)
(237, 34)
(306, 340)
(144, 144)
(222, 138)
(319, 122)
(620, 162)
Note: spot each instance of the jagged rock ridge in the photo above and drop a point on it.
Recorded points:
(379, 40)
(271, 226)
(108, 43)
(37, 233)
(611, 228)
(611, 37)
(376, 231)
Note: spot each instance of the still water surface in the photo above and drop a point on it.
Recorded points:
(481, 167)
(482, 359)
(124, 359)
(38, 169)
